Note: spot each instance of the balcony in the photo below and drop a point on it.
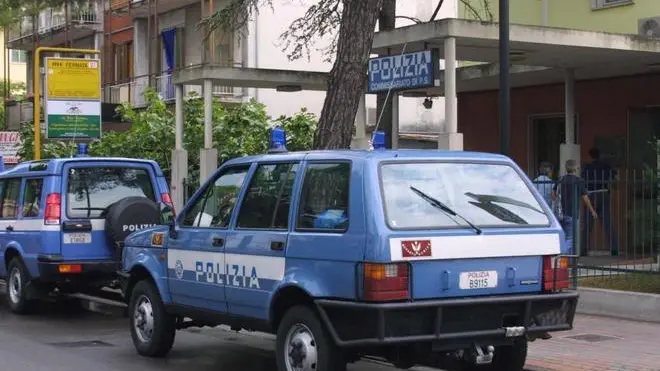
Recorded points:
(140, 8)
(83, 20)
(133, 91)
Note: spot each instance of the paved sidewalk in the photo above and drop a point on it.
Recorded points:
(599, 344)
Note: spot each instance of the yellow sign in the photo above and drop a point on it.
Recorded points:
(75, 78)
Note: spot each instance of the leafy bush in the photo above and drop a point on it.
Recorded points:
(238, 130)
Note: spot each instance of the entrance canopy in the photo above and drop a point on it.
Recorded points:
(282, 80)
(539, 55)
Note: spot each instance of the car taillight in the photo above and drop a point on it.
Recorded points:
(386, 282)
(167, 200)
(53, 209)
(555, 273)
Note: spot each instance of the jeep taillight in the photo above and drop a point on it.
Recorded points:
(555, 273)
(53, 209)
(386, 282)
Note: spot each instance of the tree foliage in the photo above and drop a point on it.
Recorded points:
(237, 131)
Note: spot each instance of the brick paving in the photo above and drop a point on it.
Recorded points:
(603, 344)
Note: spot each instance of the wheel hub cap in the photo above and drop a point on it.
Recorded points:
(301, 352)
(143, 319)
(15, 286)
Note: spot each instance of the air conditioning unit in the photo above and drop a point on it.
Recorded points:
(649, 27)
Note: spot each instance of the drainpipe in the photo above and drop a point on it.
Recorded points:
(544, 13)
(256, 51)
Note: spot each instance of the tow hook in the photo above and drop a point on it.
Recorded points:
(478, 357)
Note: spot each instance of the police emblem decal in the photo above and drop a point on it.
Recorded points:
(178, 269)
(416, 248)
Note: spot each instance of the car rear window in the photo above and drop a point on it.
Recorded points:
(487, 195)
(92, 189)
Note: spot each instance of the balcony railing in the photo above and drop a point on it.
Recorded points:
(133, 91)
(52, 19)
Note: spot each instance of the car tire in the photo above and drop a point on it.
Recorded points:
(18, 278)
(152, 328)
(510, 357)
(303, 340)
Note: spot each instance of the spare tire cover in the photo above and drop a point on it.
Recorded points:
(128, 215)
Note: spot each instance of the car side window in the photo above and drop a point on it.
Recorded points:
(215, 207)
(32, 198)
(10, 194)
(324, 197)
(268, 198)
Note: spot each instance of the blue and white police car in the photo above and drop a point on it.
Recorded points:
(63, 223)
(416, 256)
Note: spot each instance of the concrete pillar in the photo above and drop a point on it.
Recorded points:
(395, 120)
(360, 139)
(569, 150)
(451, 139)
(179, 155)
(208, 156)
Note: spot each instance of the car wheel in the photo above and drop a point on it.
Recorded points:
(510, 357)
(152, 329)
(17, 281)
(303, 344)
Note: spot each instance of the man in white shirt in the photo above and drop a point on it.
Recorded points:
(544, 183)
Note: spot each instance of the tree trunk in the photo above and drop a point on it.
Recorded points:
(386, 22)
(348, 77)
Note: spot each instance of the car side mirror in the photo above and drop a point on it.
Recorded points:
(166, 214)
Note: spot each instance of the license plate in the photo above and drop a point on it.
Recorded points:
(478, 280)
(70, 238)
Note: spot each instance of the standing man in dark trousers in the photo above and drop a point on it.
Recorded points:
(570, 189)
(599, 177)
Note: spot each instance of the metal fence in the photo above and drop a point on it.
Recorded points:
(624, 237)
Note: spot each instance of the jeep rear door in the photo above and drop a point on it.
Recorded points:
(88, 189)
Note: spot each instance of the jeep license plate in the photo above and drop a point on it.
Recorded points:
(70, 238)
(478, 280)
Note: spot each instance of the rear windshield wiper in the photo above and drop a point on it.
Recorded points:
(439, 205)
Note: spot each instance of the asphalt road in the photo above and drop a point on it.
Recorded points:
(68, 338)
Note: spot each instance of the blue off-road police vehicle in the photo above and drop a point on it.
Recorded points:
(63, 223)
(416, 256)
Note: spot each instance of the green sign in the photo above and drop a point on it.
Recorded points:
(73, 119)
(69, 126)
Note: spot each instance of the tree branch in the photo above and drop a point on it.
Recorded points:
(416, 20)
(320, 21)
(476, 14)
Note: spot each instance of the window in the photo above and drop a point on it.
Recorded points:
(324, 197)
(19, 56)
(600, 4)
(91, 190)
(10, 191)
(267, 201)
(32, 198)
(123, 61)
(485, 194)
(215, 207)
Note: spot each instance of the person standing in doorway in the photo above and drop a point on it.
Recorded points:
(568, 191)
(543, 181)
(599, 177)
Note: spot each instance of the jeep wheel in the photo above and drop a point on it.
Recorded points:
(129, 215)
(304, 345)
(17, 281)
(152, 329)
(510, 357)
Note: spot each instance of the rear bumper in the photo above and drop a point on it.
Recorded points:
(91, 270)
(464, 320)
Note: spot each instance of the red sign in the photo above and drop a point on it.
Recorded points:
(416, 248)
(10, 143)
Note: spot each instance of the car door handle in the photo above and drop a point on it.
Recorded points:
(218, 241)
(277, 245)
(10, 228)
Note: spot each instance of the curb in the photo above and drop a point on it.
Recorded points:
(619, 304)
